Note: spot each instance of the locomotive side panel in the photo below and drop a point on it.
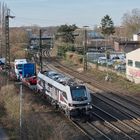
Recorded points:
(51, 88)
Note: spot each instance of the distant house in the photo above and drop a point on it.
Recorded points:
(100, 44)
(126, 46)
(133, 66)
(95, 40)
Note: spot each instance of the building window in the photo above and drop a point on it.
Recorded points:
(130, 63)
(137, 64)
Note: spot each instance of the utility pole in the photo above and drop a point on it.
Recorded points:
(7, 58)
(21, 96)
(20, 108)
(4, 9)
(40, 50)
(85, 48)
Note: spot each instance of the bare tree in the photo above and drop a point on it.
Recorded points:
(131, 21)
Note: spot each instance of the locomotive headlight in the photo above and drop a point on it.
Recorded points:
(90, 105)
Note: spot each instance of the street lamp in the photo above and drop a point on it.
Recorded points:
(85, 48)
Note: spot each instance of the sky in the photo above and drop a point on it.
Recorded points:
(58, 12)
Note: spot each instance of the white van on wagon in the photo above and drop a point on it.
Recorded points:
(18, 66)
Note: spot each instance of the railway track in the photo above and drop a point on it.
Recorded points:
(106, 126)
(133, 115)
(123, 115)
(125, 105)
(101, 89)
(107, 92)
(91, 131)
(106, 89)
(116, 122)
(125, 108)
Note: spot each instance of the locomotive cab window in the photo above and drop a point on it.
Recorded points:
(78, 93)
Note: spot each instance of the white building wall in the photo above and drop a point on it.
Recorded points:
(133, 73)
(136, 37)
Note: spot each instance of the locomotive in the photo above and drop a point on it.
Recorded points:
(65, 93)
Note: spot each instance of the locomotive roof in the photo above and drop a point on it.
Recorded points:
(59, 77)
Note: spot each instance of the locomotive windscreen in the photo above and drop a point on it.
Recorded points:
(78, 93)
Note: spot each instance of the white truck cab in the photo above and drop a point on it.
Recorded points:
(18, 66)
